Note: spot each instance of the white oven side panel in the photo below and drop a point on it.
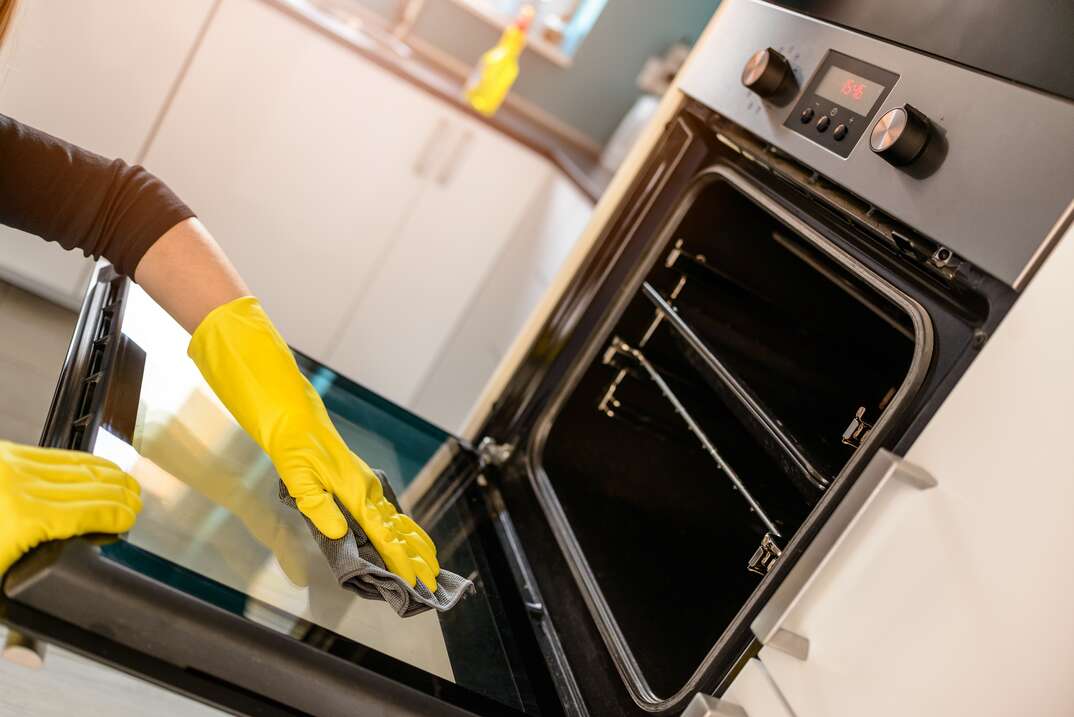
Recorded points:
(959, 599)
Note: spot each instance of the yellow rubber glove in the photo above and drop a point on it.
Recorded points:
(251, 369)
(48, 494)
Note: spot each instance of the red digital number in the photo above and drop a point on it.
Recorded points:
(853, 89)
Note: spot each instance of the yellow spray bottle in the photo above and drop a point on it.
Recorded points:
(496, 72)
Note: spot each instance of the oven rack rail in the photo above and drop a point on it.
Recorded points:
(757, 415)
(692, 269)
(621, 347)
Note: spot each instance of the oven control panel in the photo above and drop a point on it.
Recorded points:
(840, 102)
(978, 164)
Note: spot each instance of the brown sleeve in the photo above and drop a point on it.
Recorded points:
(78, 199)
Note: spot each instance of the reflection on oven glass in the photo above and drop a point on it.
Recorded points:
(211, 512)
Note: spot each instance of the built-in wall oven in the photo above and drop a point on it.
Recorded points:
(821, 240)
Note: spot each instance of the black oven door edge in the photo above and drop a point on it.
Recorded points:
(70, 594)
(148, 628)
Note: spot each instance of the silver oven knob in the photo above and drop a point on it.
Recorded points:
(766, 72)
(900, 135)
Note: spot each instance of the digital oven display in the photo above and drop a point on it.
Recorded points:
(840, 100)
(848, 90)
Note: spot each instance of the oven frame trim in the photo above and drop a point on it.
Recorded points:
(621, 653)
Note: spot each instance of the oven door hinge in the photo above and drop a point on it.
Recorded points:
(933, 256)
(858, 429)
(491, 453)
(766, 556)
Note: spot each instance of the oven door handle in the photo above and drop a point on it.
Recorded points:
(884, 469)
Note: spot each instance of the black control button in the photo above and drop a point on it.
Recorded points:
(807, 115)
(839, 132)
(823, 122)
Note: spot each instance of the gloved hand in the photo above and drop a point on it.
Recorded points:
(49, 494)
(251, 369)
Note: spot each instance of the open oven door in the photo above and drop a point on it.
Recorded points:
(219, 591)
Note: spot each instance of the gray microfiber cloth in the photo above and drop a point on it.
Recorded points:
(359, 568)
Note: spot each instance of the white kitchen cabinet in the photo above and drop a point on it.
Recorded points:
(301, 157)
(96, 73)
(364, 213)
(511, 291)
(451, 241)
(46, 269)
(957, 600)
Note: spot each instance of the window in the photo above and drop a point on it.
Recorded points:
(558, 29)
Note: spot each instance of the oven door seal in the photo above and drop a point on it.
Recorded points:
(625, 662)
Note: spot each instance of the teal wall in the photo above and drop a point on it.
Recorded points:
(595, 92)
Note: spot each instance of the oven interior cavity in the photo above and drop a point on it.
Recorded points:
(739, 381)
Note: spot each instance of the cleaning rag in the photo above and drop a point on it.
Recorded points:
(359, 567)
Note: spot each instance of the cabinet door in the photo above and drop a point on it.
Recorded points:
(453, 237)
(957, 600)
(299, 155)
(508, 295)
(96, 73)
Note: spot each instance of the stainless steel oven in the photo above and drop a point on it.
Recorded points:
(808, 257)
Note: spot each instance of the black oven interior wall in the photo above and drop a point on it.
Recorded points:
(661, 524)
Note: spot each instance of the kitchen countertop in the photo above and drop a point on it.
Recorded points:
(398, 58)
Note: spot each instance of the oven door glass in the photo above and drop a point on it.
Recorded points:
(212, 527)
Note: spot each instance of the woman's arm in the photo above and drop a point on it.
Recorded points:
(188, 274)
(80, 200)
